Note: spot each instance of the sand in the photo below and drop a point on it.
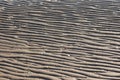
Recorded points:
(59, 40)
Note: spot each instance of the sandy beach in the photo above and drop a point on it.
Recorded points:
(59, 40)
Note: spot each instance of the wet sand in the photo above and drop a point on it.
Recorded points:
(60, 40)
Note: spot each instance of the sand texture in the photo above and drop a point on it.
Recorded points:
(59, 40)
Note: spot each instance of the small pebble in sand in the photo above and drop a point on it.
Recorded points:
(16, 37)
(68, 54)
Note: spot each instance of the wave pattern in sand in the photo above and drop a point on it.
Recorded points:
(63, 40)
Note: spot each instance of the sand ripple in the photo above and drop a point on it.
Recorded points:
(60, 40)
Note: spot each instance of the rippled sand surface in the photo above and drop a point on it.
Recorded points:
(59, 40)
